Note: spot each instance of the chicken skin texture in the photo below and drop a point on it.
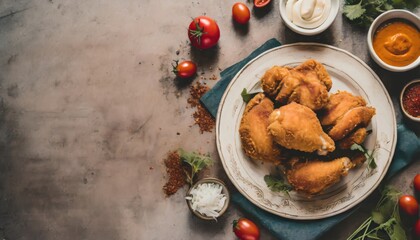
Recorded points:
(345, 114)
(296, 127)
(307, 84)
(355, 117)
(314, 176)
(358, 136)
(339, 103)
(256, 141)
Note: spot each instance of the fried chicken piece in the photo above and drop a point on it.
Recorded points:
(358, 136)
(271, 82)
(307, 84)
(355, 117)
(295, 126)
(314, 176)
(314, 69)
(339, 103)
(256, 141)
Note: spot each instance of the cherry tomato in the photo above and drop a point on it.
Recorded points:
(185, 69)
(417, 229)
(203, 32)
(416, 183)
(245, 229)
(408, 204)
(261, 3)
(240, 13)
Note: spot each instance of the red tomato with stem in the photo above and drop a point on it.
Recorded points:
(184, 69)
(261, 3)
(245, 229)
(240, 13)
(409, 205)
(417, 229)
(203, 32)
(416, 183)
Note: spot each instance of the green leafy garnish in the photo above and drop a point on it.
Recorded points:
(369, 155)
(247, 96)
(363, 12)
(385, 221)
(354, 11)
(196, 161)
(277, 184)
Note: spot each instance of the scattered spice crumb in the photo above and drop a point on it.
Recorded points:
(150, 168)
(177, 52)
(201, 116)
(178, 133)
(176, 172)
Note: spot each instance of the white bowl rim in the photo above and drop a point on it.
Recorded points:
(310, 31)
(372, 29)
(416, 119)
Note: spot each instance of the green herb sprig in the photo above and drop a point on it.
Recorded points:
(197, 162)
(246, 97)
(363, 12)
(277, 184)
(385, 221)
(369, 155)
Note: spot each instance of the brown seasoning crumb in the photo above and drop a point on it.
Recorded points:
(202, 117)
(175, 170)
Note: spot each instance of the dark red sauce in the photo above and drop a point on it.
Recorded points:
(411, 99)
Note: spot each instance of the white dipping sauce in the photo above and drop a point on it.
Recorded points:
(308, 13)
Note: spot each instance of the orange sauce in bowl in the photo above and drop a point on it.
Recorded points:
(397, 43)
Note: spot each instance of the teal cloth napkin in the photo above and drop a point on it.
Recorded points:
(408, 144)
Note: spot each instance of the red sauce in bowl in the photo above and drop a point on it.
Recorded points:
(411, 99)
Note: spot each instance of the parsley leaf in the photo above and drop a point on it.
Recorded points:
(197, 162)
(353, 11)
(385, 222)
(363, 12)
(276, 184)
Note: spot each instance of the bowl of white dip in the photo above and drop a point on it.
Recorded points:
(309, 17)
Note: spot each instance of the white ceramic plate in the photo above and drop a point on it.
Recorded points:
(348, 73)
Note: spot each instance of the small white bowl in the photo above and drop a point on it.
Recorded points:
(416, 119)
(225, 191)
(387, 16)
(335, 5)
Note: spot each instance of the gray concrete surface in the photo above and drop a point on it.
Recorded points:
(89, 109)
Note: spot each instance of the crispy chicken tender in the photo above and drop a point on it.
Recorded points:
(256, 141)
(314, 176)
(347, 116)
(357, 136)
(355, 117)
(307, 84)
(295, 126)
(339, 103)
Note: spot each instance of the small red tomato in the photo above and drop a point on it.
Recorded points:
(416, 183)
(417, 229)
(245, 229)
(261, 3)
(185, 69)
(203, 32)
(408, 204)
(240, 13)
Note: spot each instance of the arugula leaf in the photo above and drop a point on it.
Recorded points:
(197, 162)
(276, 184)
(247, 96)
(353, 11)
